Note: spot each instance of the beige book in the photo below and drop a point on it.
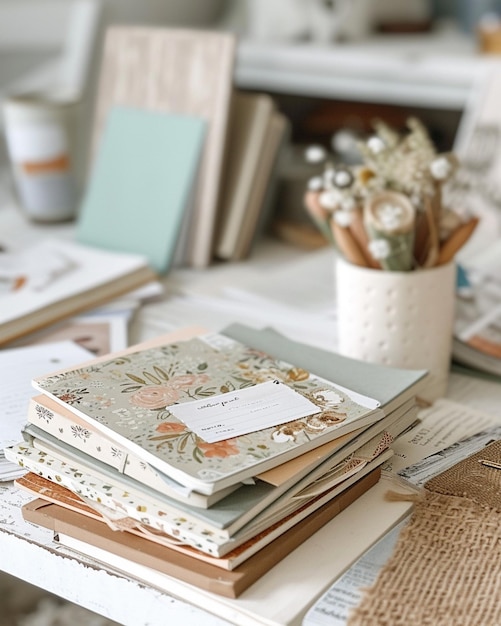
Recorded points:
(257, 199)
(178, 71)
(250, 120)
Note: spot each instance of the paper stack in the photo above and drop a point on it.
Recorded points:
(477, 334)
(207, 457)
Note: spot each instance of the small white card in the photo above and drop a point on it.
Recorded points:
(243, 411)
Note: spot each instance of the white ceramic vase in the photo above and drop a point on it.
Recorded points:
(399, 319)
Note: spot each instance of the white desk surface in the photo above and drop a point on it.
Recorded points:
(279, 277)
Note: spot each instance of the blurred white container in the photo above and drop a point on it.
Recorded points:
(40, 130)
(400, 319)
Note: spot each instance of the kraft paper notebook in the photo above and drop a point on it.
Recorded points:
(156, 564)
(183, 72)
(48, 491)
(140, 189)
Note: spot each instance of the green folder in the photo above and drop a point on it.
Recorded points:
(139, 194)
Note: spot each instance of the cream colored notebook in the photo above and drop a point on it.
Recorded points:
(182, 71)
(257, 199)
(249, 126)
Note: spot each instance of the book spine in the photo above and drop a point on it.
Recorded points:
(143, 512)
(76, 435)
(97, 446)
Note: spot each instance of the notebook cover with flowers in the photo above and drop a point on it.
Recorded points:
(127, 398)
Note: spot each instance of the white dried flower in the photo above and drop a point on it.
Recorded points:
(329, 175)
(343, 218)
(375, 144)
(379, 248)
(329, 199)
(417, 201)
(316, 183)
(441, 168)
(343, 178)
(348, 203)
(315, 154)
(390, 215)
(344, 141)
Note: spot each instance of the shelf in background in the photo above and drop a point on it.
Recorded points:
(435, 70)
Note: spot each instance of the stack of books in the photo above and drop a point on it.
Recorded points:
(204, 158)
(207, 457)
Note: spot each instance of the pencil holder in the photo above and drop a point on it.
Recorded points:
(399, 319)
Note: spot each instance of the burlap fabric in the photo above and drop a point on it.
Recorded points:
(446, 566)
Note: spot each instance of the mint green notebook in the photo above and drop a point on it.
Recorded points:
(140, 189)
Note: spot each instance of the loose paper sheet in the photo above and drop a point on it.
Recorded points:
(17, 367)
(441, 425)
(333, 607)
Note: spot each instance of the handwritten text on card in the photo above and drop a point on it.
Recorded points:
(243, 411)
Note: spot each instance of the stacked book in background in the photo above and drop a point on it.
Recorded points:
(203, 457)
(195, 158)
(204, 157)
(257, 133)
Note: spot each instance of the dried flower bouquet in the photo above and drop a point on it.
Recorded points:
(388, 212)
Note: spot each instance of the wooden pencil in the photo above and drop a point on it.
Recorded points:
(348, 245)
(456, 241)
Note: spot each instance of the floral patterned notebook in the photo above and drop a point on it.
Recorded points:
(130, 398)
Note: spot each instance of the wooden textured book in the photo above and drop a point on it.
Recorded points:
(180, 71)
(155, 564)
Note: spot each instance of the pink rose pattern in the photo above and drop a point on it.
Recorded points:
(144, 384)
(154, 397)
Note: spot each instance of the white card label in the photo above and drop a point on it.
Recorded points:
(243, 411)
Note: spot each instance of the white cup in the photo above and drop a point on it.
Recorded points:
(40, 130)
(400, 319)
